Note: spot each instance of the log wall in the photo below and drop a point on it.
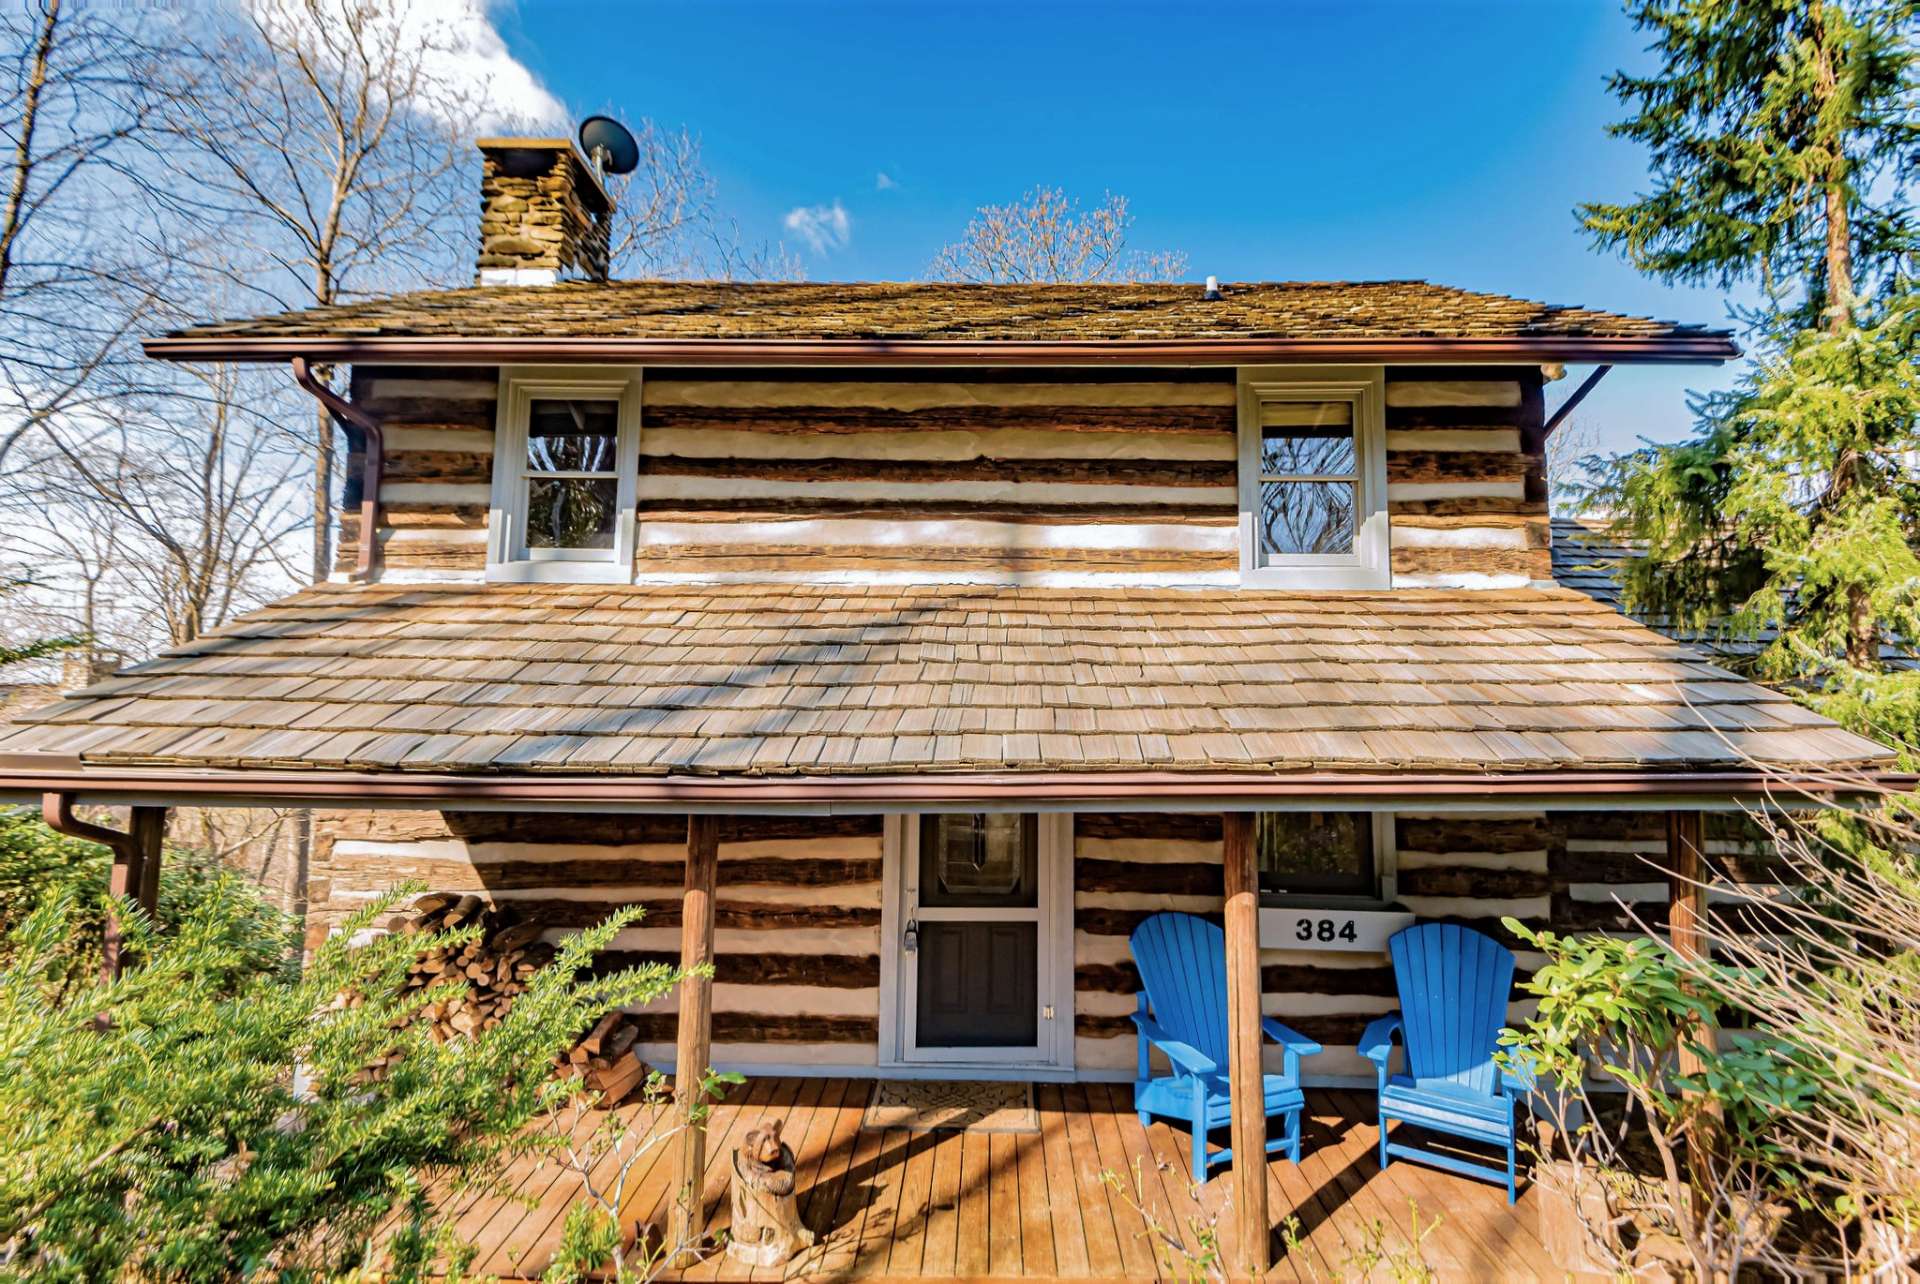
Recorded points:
(1466, 477)
(798, 908)
(438, 425)
(1062, 477)
(1046, 476)
(797, 915)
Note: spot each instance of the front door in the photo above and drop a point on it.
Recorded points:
(976, 962)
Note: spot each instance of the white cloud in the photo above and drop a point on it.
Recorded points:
(466, 54)
(477, 52)
(884, 182)
(822, 227)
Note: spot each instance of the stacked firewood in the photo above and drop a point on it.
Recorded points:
(605, 1055)
(495, 965)
(493, 969)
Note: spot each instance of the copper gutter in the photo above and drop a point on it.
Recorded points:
(1578, 395)
(373, 459)
(34, 772)
(499, 350)
(56, 809)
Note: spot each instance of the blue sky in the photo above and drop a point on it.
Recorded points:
(1443, 140)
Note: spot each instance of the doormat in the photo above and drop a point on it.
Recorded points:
(927, 1105)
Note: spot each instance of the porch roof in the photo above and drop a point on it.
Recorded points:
(755, 681)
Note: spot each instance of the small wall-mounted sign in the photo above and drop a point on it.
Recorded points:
(1360, 931)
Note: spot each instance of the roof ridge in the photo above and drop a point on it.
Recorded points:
(1403, 319)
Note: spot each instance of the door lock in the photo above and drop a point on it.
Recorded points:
(910, 939)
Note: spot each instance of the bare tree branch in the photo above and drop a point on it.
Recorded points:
(1045, 236)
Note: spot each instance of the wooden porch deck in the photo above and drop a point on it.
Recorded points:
(949, 1205)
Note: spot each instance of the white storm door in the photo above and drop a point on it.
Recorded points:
(981, 940)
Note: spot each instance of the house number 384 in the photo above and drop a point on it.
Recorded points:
(1325, 929)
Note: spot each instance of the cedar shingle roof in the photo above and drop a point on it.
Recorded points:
(1586, 558)
(758, 680)
(942, 311)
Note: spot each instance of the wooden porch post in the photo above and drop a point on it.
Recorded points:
(686, 1220)
(1250, 1228)
(149, 829)
(1686, 897)
(136, 863)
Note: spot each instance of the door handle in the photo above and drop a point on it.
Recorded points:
(910, 939)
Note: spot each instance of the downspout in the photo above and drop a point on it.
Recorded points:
(56, 809)
(1573, 401)
(373, 460)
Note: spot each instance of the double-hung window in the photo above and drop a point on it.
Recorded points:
(1313, 482)
(566, 458)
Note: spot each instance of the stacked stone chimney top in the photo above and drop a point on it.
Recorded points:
(543, 213)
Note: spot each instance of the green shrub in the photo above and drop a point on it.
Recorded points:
(202, 1118)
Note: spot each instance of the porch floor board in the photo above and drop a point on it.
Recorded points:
(947, 1205)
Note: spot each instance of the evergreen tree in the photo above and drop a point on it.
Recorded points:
(1792, 517)
(1784, 142)
(1782, 137)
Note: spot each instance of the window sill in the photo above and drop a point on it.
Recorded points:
(1315, 577)
(558, 572)
(1330, 901)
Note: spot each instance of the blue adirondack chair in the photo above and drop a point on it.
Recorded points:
(1183, 1012)
(1453, 984)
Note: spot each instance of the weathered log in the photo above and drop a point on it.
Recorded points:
(602, 1028)
(616, 1081)
(834, 971)
(1183, 826)
(1162, 878)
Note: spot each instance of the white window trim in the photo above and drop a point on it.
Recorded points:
(508, 558)
(1386, 870)
(1366, 388)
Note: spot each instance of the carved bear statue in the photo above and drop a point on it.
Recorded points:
(766, 1216)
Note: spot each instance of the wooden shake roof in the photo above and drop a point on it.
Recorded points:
(874, 319)
(754, 680)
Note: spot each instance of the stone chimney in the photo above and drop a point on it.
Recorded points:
(543, 213)
(83, 666)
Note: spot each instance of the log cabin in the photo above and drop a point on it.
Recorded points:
(899, 647)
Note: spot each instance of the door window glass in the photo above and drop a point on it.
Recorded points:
(979, 859)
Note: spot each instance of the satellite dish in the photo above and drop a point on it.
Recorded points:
(609, 145)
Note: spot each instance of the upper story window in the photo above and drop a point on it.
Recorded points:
(1324, 857)
(1313, 477)
(566, 456)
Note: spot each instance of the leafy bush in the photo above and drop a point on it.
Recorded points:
(1787, 1137)
(210, 1127)
(38, 866)
(1626, 1015)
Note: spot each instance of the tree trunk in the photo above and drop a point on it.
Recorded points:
(23, 159)
(323, 496)
(1839, 219)
(1839, 258)
(1863, 632)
